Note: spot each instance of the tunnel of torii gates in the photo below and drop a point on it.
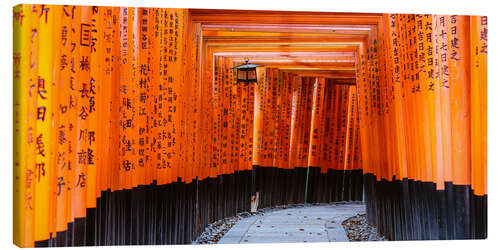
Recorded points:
(130, 127)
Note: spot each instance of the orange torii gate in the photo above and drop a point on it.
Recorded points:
(130, 127)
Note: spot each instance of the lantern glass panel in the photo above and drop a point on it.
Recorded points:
(252, 75)
(242, 75)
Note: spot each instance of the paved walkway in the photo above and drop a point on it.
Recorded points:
(292, 225)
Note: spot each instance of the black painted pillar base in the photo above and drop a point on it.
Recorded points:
(415, 210)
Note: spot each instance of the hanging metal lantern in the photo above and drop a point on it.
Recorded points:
(247, 72)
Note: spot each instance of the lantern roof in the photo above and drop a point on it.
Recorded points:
(247, 65)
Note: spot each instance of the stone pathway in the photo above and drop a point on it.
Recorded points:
(303, 224)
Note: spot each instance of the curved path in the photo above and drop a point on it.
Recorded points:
(304, 224)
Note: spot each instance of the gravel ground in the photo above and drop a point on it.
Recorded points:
(214, 232)
(358, 229)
